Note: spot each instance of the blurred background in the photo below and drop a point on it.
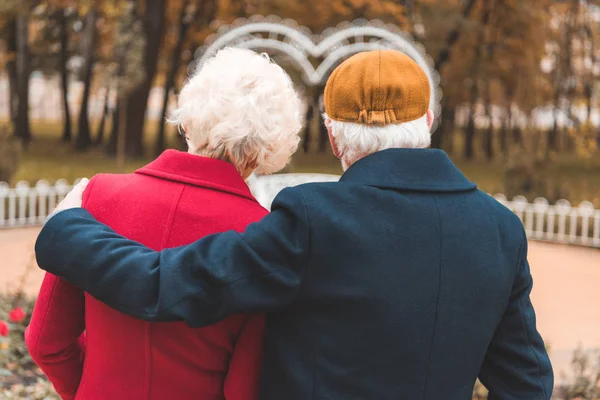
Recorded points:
(85, 87)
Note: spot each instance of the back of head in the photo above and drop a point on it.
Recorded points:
(375, 101)
(241, 107)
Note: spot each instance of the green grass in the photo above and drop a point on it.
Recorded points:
(50, 159)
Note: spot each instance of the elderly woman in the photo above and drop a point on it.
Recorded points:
(239, 113)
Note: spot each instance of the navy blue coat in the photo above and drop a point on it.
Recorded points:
(402, 281)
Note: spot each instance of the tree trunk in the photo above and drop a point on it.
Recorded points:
(64, 79)
(23, 72)
(563, 75)
(447, 128)
(475, 74)
(84, 137)
(505, 144)
(137, 100)
(160, 137)
(122, 136)
(444, 55)
(11, 71)
(113, 142)
(184, 25)
(436, 138)
(449, 133)
(202, 18)
(491, 37)
(488, 141)
(552, 137)
(105, 111)
(588, 86)
(310, 109)
(323, 134)
(469, 151)
(442, 59)
(504, 132)
(589, 98)
(517, 134)
(111, 146)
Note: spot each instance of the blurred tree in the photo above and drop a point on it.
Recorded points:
(117, 27)
(136, 102)
(520, 39)
(23, 68)
(500, 61)
(64, 76)
(105, 110)
(443, 24)
(490, 39)
(574, 62)
(129, 50)
(476, 67)
(53, 22)
(196, 14)
(315, 15)
(465, 9)
(564, 20)
(318, 15)
(584, 381)
(10, 31)
(88, 50)
(9, 154)
(482, 64)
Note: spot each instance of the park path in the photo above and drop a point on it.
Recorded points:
(566, 291)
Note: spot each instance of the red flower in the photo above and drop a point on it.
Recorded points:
(3, 329)
(16, 315)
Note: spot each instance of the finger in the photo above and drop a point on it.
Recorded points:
(82, 184)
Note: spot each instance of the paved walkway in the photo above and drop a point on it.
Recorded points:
(566, 290)
(17, 262)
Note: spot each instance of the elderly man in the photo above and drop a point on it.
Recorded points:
(401, 281)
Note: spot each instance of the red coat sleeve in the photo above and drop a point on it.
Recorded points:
(243, 377)
(55, 336)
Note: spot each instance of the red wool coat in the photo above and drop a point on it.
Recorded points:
(90, 351)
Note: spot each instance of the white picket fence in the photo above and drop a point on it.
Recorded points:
(26, 205)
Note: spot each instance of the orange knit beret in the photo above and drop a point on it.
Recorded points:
(377, 88)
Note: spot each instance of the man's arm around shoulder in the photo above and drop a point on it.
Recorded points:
(259, 270)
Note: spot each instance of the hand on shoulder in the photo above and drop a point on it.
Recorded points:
(72, 200)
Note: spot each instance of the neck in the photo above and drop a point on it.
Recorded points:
(244, 173)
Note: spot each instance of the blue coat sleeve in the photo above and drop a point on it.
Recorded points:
(517, 365)
(259, 270)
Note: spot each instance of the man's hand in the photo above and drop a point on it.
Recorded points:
(73, 199)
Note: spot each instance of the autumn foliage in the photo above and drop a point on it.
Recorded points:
(503, 63)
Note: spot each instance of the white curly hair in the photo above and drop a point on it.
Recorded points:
(241, 107)
(355, 141)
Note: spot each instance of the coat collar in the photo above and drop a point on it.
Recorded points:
(195, 170)
(424, 170)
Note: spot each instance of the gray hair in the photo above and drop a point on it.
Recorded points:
(355, 141)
